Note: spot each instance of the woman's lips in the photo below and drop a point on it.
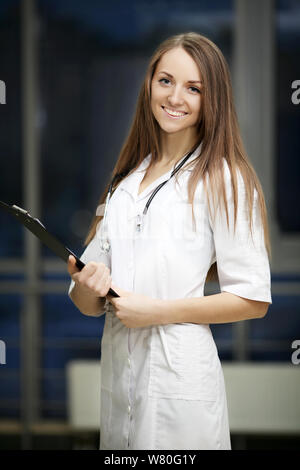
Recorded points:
(175, 114)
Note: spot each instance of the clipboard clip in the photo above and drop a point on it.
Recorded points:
(24, 212)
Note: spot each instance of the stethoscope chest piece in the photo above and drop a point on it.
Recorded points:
(105, 246)
(139, 223)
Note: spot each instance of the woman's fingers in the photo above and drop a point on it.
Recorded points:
(98, 280)
(94, 277)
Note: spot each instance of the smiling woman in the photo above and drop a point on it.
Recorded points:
(162, 385)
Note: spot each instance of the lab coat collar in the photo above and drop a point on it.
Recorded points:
(132, 182)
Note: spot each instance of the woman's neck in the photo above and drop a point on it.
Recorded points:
(175, 146)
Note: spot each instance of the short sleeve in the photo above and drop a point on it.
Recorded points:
(92, 253)
(242, 261)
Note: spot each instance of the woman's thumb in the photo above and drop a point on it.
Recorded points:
(72, 268)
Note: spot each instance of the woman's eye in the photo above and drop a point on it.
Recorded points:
(164, 80)
(195, 90)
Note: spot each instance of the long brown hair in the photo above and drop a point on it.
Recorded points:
(218, 130)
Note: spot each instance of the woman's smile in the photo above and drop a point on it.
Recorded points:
(174, 114)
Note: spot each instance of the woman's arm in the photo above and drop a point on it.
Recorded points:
(218, 308)
(136, 310)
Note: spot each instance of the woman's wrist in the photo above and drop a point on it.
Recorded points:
(88, 305)
(164, 312)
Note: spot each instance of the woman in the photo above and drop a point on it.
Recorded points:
(162, 385)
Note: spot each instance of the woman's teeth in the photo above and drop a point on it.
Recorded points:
(174, 113)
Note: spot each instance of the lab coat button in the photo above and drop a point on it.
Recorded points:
(128, 361)
(129, 409)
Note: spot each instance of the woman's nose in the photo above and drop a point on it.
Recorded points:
(175, 97)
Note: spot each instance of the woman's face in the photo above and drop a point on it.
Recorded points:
(176, 91)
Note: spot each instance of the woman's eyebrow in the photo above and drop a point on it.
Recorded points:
(189, 81)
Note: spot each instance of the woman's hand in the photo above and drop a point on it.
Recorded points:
(135, 310)
(94, 279)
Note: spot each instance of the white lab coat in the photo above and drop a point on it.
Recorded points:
(162, 387)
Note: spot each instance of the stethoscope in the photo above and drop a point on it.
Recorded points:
(104, 241)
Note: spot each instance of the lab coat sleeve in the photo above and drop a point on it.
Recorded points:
(92, 253)
(242, 263)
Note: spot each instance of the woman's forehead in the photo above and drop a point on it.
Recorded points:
(178, 62)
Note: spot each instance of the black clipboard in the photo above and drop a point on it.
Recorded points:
(39, 230)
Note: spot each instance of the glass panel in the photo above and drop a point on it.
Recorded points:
(222, 334)
(61, 319)
(288, 114)
(11, 239)
(271, 337)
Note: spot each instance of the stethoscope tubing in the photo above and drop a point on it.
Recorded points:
(105, 244)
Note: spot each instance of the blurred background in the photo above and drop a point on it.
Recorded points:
(72, 70)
